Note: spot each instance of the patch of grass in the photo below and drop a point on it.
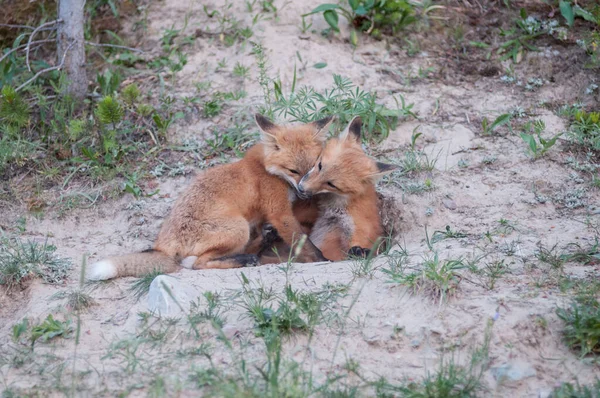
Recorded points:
(550, 256)
(582, 326)
(489, 273)
(437, 278)
(447, 234)
(450, 380)
(140, 287)
(20, 261)
(344, 100)
(212, 313)
(568, 390)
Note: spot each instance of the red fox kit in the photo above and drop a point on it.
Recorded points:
(343, 179)
(211, 223)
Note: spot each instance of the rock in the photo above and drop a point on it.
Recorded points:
(160, 302)
(513, 371)
(449, 203)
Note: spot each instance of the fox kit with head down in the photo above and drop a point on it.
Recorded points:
(343, 179)
(211, 224)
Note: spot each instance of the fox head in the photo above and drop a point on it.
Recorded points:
(343, 168)
(291, 150)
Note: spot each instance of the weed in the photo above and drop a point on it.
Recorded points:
(489, 128)
(585, 130)
(241, 70)
(451, 380)
(212, 108)
(584, 255)
(79, 301)
(550, 256)
(447, 234)
(21, 260)
(568, 390)
(537, 148)
(50, 329)
(212, 313)
(345, 101)
(582, 326)
(490, 272)
(140, 287)
(439, 278)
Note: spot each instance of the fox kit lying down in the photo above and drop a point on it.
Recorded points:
(211, 223)
(343, 179)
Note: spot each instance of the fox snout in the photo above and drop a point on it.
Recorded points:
(303, 193)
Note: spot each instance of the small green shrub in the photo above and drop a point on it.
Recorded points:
(582, 326)
(585, 129)
(50, 329)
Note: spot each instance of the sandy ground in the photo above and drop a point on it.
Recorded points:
(389, 331)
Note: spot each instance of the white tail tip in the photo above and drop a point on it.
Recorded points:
(102, 270)
(188, 262)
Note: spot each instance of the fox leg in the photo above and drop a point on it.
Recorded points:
(290, 231)
(224, 247)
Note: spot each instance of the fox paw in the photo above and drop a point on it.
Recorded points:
(357, 251)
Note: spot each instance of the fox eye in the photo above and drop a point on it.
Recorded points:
(294, 171)
(276, 147)
(320, 166)
(331, 185)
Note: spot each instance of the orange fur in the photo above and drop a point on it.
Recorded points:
(213, 220)
(344, 179)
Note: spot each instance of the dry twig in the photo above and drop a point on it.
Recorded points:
(57, 67)
(39, 28)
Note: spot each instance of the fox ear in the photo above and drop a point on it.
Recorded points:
(382, 169)
(321, 127)
(353, 131)
(267, 128)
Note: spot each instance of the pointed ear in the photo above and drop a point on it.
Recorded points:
(353, 131)
(382, 169)
(321, 127)
(267, 128)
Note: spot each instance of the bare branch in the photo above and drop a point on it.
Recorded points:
(137, 50)
(6, 25)
(25, 45)
(57, 67)
(42, 26)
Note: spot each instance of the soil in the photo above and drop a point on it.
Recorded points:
(390, 330)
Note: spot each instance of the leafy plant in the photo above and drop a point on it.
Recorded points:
(538, 148)
(568, 390)
(109, 82)
(521, 35)
(131, 94)
(50, 329)
(501, 120)
(374, 17)
(585, 129)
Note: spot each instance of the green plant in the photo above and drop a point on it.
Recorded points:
(582, 326)
(50, 329)
(140, 287)
(447, 234)
(212, 108)
(450, 380)
(585, 129)
(344, 100)
(14, 111)
(526, 29)
(240, 70)
(489, 273)
(488, 129)
(568, 390)
(22, 260)
(212, 312)
(109, 82)
(131, 94)
(537, 148)
(110, 111)
(374, 17)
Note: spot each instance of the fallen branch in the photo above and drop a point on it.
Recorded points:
(6, 25)
(42, 26)
(57, 67)
(25, 45)
(137, 50)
